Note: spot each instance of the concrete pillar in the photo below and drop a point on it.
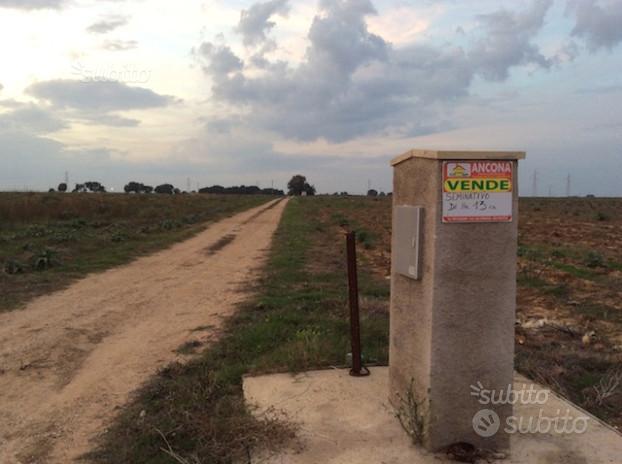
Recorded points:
(453, 288)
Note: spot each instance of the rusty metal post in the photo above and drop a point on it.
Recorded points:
(355, 329)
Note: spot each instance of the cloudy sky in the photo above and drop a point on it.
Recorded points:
(236, 91)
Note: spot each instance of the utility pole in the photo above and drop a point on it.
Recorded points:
(188, 184)
(534, 187)
(550, 191)
(568, 186)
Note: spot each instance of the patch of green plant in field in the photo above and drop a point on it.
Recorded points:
(578, 263)
(599, 311)
(297, 320)
(601, 216)
(532, 252)
(561, 290)
(594, 259)
(49, 240)
(366, 238)
(575, 271)
(572, 372)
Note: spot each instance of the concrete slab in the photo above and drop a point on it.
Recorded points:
(348, 420)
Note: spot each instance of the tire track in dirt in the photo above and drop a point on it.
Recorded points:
(68, 360)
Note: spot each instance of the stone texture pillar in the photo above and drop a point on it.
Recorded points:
(454, 327)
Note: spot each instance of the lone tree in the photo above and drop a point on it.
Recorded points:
(298, 184)
(62, 187)
(165, 189)
(372, 193)
(137, 187)
(95, 187)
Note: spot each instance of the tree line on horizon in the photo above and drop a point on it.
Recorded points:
(297, 186)
(168, 189)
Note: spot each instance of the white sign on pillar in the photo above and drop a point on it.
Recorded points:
(477, 191)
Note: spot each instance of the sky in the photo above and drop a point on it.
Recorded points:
(198, 93)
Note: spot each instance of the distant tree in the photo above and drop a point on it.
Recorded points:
(165, 189)
(382, 194)
(298, 184)
(309, 189)
(344, 194)
(51, 190)
(272, 191)
(89, 187)
(62, 187)
(132, 187)
(241, 190)
(177, 191)
(372, 193)
(213, 189)
(95, 187)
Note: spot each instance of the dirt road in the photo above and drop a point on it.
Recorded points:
(69, 359)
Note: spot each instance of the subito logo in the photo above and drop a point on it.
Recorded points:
(486, 423)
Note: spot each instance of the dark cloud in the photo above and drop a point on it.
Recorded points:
(255, 22)
(31, 119)
(107, 25)
(353, 83)
(62, 102)
(598, 22)
(508, 41)
(104, 96)
(218, 60)
(317, 99)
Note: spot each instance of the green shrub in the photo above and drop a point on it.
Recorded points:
(594, 259)
(44, 260)
(13, 267)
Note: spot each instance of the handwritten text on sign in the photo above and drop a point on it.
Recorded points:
(477, 191)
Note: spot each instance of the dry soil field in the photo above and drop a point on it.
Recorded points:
(569, 319)
(568, 328)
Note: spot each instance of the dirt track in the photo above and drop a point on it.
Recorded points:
(68, 360)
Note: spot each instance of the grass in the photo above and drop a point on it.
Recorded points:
(48, 241)
(295, 321)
